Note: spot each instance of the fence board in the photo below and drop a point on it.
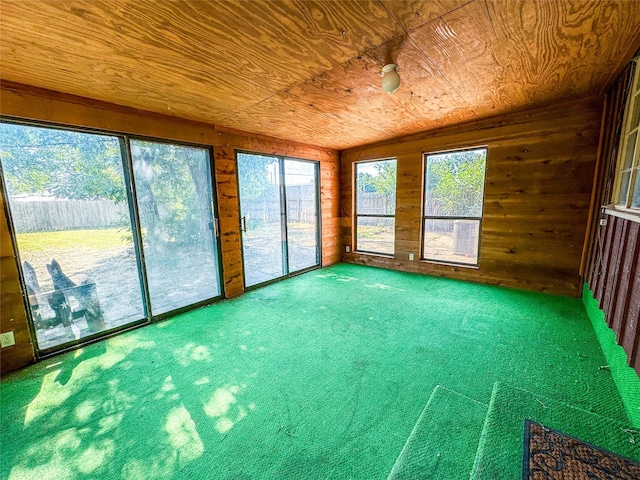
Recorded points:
(65, 214)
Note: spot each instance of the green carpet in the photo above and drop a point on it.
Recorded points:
(444, 441)
(623, 375)
(500, 449)
(320, 376)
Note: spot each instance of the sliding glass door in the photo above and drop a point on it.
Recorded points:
(110, 231)
(72, 223)
(279, 216)
(301, 188)
(175, 203)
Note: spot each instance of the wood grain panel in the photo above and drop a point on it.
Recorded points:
(29, 103)
(183, 51)
(629, 332)
(462, 45)
(331, 241)
(424, 101)
(257, 66)
(614, 278)
(535, 47)
(613, 269)
(537, 194)
(229, 212)
(113, 56)
(629, 265)
(605, 262)
(277, 114)
(415, 13)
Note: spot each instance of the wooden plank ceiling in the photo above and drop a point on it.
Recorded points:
(309, 71)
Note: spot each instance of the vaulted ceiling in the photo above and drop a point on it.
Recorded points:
(310, 71)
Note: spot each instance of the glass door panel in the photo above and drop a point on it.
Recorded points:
(68, 202)
(262, 218)
(302, 213)
(175, 204)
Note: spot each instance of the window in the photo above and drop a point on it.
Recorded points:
(279, 205)
(453, 193)
(74, 233)
(375, 206)
(81, 227)
(628, 181)
(177, 226)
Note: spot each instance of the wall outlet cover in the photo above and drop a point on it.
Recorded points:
(7, 339)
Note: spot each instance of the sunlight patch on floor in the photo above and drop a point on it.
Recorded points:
(50, 397)
(220, 406)
(95, 456)
(340, 278)
(384, 287)
(190, 353)
(85, 410)
(80, 370)
(183, 435)
(66, 457)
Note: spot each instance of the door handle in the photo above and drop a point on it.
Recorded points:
(243, 224)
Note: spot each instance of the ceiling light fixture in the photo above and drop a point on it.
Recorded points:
(391, 79)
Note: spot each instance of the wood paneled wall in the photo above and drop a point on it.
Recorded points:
(13, 316)
(539, 175)
(614, 279)
(612, 254)
(28, 103)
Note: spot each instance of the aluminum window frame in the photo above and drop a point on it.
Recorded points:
(357, 215)
(425, 217)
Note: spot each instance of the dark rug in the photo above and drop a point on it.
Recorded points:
(552, 455)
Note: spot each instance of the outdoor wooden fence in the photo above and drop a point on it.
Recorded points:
(54, 215)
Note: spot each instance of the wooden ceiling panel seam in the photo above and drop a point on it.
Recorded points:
(444, 77)
(421, 50)
(455, 4)
(493, 28)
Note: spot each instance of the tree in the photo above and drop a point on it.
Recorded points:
(380, 178)
(173, 188)
(173, 184)
(66, 164)
(385, 182)
(256, 174)
(455, 183)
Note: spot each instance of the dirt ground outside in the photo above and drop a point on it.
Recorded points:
(263, 251)
(438, 246)
(176, 278)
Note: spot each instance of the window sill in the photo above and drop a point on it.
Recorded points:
(374, 254)
(451, 264)
(621, 212)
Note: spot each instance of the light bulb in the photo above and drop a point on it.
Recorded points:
(391, 79)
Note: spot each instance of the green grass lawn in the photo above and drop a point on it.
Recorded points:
(101, 239)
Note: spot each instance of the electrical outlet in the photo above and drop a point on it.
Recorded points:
(603, 222)
(347, 249)
(7, 339)
(411, 257)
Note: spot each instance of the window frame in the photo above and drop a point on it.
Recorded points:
(281, 159)
(127, 164)
(356, 215)
(631, 103)
(425, 217)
